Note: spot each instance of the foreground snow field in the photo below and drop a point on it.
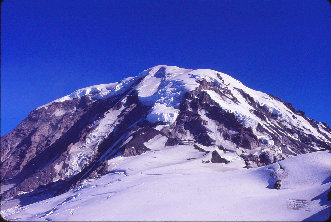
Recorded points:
(167, 185)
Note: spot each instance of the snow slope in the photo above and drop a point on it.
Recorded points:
(175, 184)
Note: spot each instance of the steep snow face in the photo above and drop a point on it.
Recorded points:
(164, 184)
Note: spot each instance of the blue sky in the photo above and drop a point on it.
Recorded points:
(51, 48)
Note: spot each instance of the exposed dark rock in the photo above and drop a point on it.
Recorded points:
(46, 136)
(136, 145)
(191, 120)
(216, 158)
(172, 142)
(266, 158)
(43, 140)
(277, 185)
(200, 149)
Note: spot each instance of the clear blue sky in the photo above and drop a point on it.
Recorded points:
(51, 48)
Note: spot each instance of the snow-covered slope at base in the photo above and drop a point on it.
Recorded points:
(159, 185)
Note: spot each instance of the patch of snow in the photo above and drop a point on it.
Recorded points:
(157, 142)
(59, 112)
(57, 169)
(266, 140)
(163, 113)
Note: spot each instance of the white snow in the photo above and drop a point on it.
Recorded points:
(59, 112)
(156, 142)
(102, 91)
(163, 89)
(164, 185)
(163, 113)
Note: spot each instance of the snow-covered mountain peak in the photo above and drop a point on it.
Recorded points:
(203, 113)
(163, 88)
(162, 70)
(152, 80)
(191, 77)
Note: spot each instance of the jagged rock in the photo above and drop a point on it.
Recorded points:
(216, 158)
(277, 185)
(266, 158)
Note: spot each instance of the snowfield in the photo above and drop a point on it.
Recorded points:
(176, 183)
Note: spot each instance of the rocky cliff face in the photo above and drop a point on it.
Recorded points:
(73, 138)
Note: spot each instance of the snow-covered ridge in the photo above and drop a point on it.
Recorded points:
(151, 89)
(102, 91)
(150, 85)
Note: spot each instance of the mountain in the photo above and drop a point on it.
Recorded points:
(212, 116)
